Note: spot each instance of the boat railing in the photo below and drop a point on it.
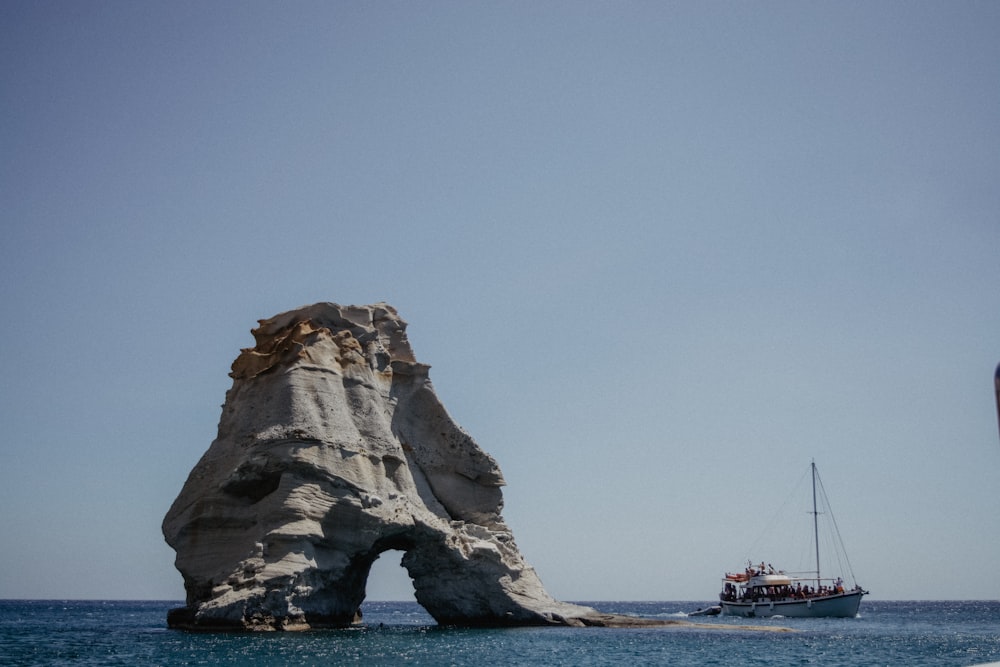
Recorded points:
(743, 591)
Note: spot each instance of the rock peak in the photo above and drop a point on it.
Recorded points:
(283, 337)
(333, 448)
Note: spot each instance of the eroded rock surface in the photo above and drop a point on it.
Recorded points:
(332, 448)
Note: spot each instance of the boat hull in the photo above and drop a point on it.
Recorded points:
(844, 605)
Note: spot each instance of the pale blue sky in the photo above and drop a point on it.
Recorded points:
(659, 255)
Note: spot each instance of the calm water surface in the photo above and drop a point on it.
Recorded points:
(133, 633)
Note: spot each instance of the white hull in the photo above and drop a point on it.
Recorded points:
(843, 605)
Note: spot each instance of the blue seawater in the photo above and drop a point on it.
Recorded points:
(101, 632)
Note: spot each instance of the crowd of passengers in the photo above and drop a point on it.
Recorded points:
(731, 593)
(778, 593)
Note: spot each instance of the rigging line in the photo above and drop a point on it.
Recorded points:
(773, 520)
(829, 537)
(836, 528)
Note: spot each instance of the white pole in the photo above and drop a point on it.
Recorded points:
(815, 524)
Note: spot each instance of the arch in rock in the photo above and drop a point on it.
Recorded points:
(333, 448)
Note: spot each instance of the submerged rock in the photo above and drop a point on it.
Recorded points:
(333, 448)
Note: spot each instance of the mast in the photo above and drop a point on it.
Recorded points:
(815, 522)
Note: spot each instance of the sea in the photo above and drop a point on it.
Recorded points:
(104, 632)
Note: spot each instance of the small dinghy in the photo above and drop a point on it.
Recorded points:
(708, 611)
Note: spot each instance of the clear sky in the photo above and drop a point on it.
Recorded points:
(659, 256)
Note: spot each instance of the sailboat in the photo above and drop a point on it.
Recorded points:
(761, 591)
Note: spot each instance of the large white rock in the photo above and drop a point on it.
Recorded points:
(332, 448)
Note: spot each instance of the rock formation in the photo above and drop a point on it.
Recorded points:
(333, 448)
